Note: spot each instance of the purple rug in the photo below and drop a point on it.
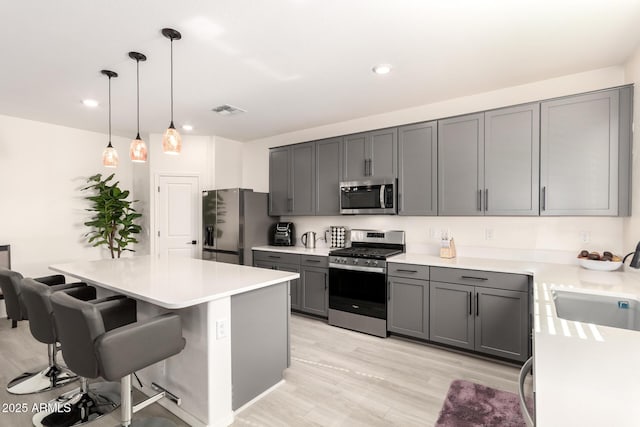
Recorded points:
(474, 405)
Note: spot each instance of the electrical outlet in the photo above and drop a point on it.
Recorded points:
(433, 234)
(221, 329)
(585, 237)
(488, 233)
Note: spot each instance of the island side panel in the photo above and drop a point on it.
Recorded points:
(259, 341)
(219, 363)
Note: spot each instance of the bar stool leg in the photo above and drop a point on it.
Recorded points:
(51, 377)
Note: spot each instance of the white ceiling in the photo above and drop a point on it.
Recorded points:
(292, 64)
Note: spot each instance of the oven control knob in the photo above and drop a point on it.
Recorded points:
(355, 261)
(367, 262)
(375, 263)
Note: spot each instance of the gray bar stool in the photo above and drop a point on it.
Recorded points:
(53, 375)
(91, 349)
(90, 401)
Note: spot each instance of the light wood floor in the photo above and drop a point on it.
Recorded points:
(344, 378)
(337, 378)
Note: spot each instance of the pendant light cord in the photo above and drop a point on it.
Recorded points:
(109, 110)
(172, 81)
(138, 94)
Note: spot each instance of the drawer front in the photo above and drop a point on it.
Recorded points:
(278, 257)
(410, 271)
(489, 279)
(314, 261)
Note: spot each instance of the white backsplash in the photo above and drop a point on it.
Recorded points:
(548, 239)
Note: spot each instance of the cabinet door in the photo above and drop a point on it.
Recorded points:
(450, 314)
(294, 284)
(303, 172)
(279, 203)
(328, 175)
(383, 149)
(355, 159)
(408, 307)
(502, 323)
(460, 171)
(418, 169)
(511, 160)
(315, 294)
(579, 155)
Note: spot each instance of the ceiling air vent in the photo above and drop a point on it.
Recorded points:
(228, 110)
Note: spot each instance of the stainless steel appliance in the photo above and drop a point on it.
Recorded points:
(368, 197)
(309, 239)
(234, 220)
(358, 280)
(283, 234)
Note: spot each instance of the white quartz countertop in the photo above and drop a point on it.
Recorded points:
(173, 282)
(301, 250)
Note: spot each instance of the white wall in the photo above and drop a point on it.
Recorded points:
(42, 168)
(228, 163)
(545, 238)
(632, 224)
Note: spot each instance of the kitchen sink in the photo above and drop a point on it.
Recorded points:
(607, 310)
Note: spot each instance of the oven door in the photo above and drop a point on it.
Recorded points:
(359, 292)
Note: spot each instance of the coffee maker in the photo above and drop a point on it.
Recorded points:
(283, 234)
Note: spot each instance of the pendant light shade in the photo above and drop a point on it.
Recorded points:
(109, 155)
(171, 140)
(138, 149)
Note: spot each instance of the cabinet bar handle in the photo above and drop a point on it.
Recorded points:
(486, 199)
(274, 256)
(544, 198)
(477, 304)
(370, 168)
(407, 271)
(474, 278)
(389, 290)
(325, 283)
(469, 303)
(312, 260)
(479, 200)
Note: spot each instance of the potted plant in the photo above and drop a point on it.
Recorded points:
(113, 222)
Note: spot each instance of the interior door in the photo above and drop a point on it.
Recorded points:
(178, 216)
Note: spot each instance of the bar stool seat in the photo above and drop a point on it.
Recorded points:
(93, 350)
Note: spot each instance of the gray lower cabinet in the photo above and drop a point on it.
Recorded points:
(487, 312)
(370, 155)
(408, 307)
(585, 153)
(310, 293)
(292, 180)
(283, 262)
(418, 169)
(328, 175)
(315, 294)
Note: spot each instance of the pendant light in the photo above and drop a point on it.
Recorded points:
(171, 140)
(110, 155)
(138, 149)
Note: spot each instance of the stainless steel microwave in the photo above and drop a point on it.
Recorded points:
(368, 197)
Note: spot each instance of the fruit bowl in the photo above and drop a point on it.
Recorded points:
(591, 264)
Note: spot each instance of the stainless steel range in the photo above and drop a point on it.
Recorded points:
(358, 280)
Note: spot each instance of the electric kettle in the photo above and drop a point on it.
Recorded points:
(309, 239)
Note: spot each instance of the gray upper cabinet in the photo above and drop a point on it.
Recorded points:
(328, 173)
(584, 154)
(511, 161)
(279, 160)
(370, 155)
(292, 180)
(418, 169)
(460, 148)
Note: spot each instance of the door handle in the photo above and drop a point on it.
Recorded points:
(469, 303)
(382, 187)
(193, 242)
(544, 198)
(370, 168)
(366, 167)
(486, 199)
(479, 200)
(477, 304)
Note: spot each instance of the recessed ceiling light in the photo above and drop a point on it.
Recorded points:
(187, 127)
(382, 69)
(91, 103)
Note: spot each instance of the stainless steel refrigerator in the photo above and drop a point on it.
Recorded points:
(234, 220)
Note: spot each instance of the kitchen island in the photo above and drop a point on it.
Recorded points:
(235, 320)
